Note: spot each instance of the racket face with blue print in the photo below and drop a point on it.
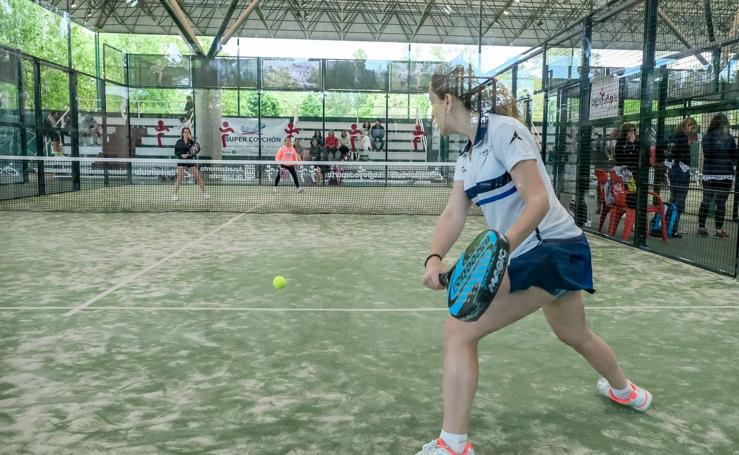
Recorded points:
(474, 280)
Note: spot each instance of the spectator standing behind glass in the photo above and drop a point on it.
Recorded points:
(344, 144)
(626, 154)
(189, 107)
(627, 147)
(678, 163)
(332, 145)
(719, 158)
(377, 132)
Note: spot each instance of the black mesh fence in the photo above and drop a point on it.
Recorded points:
(613, 128)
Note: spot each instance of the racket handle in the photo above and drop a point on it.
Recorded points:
(444, 279)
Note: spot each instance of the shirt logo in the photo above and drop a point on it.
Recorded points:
(515, 136)
(484, 154)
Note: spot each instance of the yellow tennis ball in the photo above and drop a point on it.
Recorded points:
(279, 282)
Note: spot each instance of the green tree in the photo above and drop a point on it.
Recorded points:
(270, 105)
(360, 54)
(311, 106)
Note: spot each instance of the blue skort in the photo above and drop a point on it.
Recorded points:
(555, 265)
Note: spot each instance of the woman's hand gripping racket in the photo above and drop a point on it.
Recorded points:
(475, 278)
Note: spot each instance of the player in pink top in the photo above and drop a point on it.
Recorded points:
(287, 153)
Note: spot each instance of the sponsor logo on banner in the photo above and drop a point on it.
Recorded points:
(225, 173)
(604, 97)
(64, 169)
(243, 139)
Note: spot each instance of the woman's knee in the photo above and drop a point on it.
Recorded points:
(457, 332)
(576, 339)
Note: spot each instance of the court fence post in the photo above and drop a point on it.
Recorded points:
(74, 117)
(645, 120)
(582, 182)
(41, 132)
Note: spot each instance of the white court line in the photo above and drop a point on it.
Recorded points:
(347, 310)
(82, 306)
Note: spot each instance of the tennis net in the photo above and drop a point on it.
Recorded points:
(148, 185)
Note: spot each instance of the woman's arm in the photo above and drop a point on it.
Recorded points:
(530, 186)
(448, 228)
(179, 149)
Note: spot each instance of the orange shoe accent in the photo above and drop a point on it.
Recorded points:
(632, 396)
(440, 442)
(468, 449)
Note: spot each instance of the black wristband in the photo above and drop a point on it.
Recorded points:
(429, 257)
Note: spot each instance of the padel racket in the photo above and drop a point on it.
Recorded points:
(475, 278)
(194, 149)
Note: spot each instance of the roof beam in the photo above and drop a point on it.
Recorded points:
(184, 25)
(239, 22)
(216, 45)
(262, 18)
(497, 17)
(108, 5)
(673, 28)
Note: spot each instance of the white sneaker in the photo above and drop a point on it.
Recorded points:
(174, 198)
(301, 189)
(640, 399)
(439, 447)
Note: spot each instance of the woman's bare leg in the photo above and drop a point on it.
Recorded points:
(460, 372)
(566, 317)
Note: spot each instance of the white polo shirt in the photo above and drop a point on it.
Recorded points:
(500, 144)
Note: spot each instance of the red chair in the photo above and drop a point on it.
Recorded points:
(618, 187)
(602, 176)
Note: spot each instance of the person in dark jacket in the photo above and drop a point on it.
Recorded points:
(627, 147)
(187, 149)
(626, 154)
(719, 158)
(678, 162)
